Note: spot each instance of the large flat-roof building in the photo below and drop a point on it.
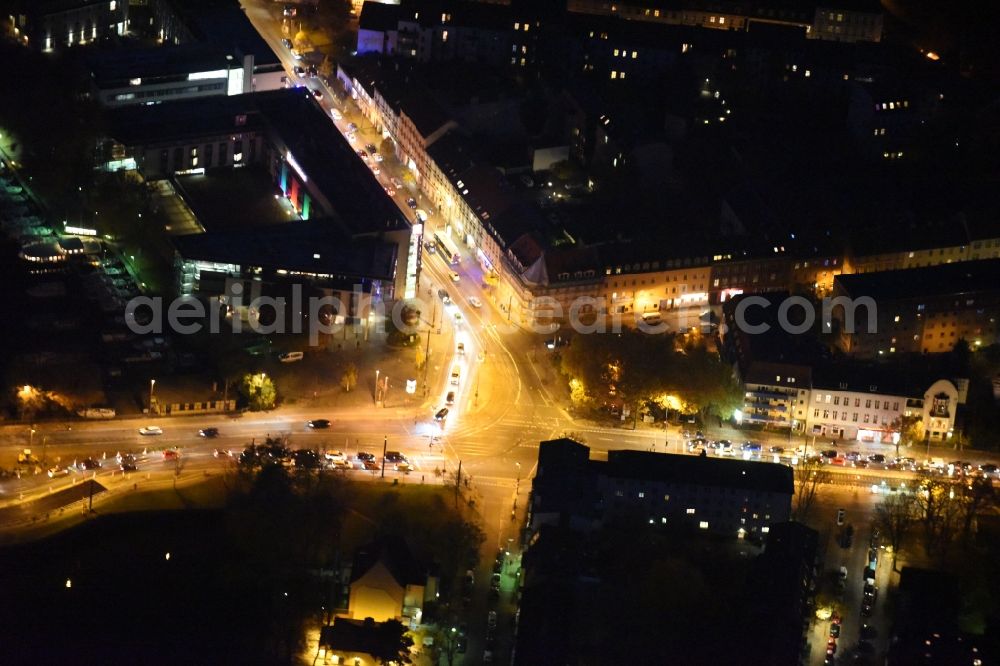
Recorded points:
(923, 310)
(737, 498)
(338, 204)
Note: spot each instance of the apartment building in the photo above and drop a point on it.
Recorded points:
(923, 310)
(735, 498)
(866, 403)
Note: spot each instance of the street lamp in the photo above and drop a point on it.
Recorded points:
(152, 383)
(377, 372)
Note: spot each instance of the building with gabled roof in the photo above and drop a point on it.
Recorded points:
(388, 583)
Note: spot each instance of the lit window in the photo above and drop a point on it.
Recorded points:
(765, 529)
(237, 157)
(526, 26)
(641, 495)
(113, 5)
(444, 36)
(722, 20)
(635, 54)
(616, 52)
(614, 74)
(517, 25)
(711, 19)
(690, 512)
(703, 524)
(663, 520)
(194, 161)
(896, 318)
(666, 498)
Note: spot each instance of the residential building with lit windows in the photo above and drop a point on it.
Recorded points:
(736, 498)
(866, 402)
(922, 310)
(50, 25)
(848, 20)
(773, 366)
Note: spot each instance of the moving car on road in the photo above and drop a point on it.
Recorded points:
(411, 202)
(171, 454)
(475, 302)
(151, 430)
(442, 414)
(57, 471)
(209, 433)
(450, 400)
(319, 424)
(454, 276)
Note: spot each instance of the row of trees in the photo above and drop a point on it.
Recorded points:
(651, 371)
(940, 515)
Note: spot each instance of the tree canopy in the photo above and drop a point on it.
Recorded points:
(634, 367)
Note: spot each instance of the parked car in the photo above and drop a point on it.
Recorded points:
(394, 457)
(450, 399)
(405, 467)
(455, 277)
(57, 472)
(337, 115)
(461, 348)
(364, 456)
(299, 71)
(876, 458)
(411, 202)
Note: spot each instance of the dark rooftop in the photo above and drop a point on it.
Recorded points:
(224, 199)
(896, 378)
(399, 85)
(224, 23)
(696, 470)
(358, 199)
(378, 16)
(961, 278)
(142, 124)
(571, 456)
(317, 247)
(397, 558)
(116, 68)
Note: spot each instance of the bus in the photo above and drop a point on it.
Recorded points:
(447, 249)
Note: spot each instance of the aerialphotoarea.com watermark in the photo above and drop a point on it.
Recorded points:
(585, 315)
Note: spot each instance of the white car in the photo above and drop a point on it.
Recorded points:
(376, 170)
(337, 115)
(58, 471)
(151, 430)
(475, 302)
(454, 276)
